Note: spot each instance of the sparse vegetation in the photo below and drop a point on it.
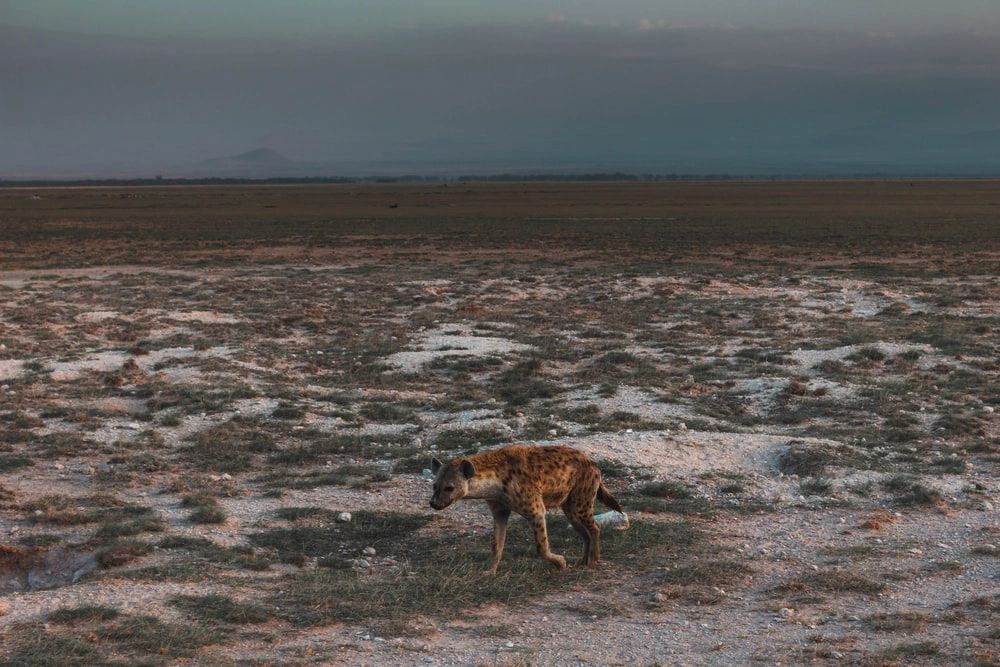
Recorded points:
(792, 428)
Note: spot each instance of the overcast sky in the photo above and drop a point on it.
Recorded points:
(457, 86)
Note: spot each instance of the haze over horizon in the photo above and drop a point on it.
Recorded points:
(112, 88)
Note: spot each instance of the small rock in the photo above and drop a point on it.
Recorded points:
(988, 409)
(344, 517)
(786, 612)
(363, 564)
(225, 476)
(659, 597)
(683, 426)
(836, 655)
(552, 431)
(368, 551)
(916, 552)
(986, 506)
(509, 644)
(4, 608)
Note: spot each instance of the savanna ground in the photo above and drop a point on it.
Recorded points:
(790, 386)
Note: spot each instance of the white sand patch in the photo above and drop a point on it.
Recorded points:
(62, 371)
(96, 316)
(102, 362)
(636, 401)
(809, 358)
(205, 316)
(11, 368)
(833, 389)
(689, 453)
(451, 341)
(764, 388)
(120, 406)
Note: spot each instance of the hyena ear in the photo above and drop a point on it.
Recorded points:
(468, 470)
(436, 465)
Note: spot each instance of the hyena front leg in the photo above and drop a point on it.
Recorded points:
(501, 513)
(537, 521)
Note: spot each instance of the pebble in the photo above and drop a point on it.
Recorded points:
(368, 551)
(4, 608)
(786, 612)
(363, 564)
(344, 517)
(916, 552)
(986, 506)
(509, 644)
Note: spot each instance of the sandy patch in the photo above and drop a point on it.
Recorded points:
(96, 316)
(103, 362)
(636, 401)
(810, 358)
(688, 453)
(451, 341)
(11, 368)
(205, 316)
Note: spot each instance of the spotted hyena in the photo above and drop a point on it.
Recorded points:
(529, 480)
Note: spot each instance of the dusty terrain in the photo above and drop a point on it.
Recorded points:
(791, 387)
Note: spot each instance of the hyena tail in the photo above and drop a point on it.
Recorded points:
(608, 499)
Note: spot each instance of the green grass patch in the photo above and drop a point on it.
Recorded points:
(221, 609)
(82, 614)
(386, 532)
(230, 446)
(12, 462)
(445, 577)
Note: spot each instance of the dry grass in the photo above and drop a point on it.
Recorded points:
(246, 363)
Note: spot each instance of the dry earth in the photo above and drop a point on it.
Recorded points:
(791, 388)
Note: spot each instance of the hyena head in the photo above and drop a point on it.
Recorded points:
(451, 481)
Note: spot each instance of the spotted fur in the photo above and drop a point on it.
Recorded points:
(529, 480)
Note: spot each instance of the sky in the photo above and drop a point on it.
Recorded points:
(118, 87)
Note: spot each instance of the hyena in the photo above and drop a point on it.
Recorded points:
(529, 480)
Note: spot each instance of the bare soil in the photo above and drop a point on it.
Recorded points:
(791, 387)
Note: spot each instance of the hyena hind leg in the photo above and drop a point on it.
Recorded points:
(541, 534)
